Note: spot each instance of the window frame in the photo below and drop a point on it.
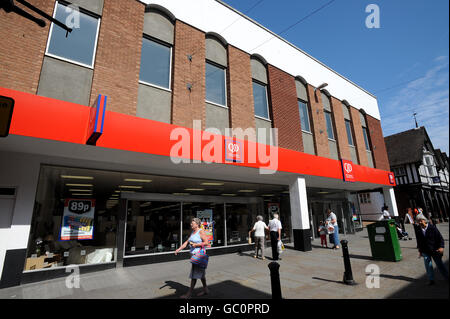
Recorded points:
(307, 115)
(99, 19)
(332, 126)
(224, 68)
(366, 139)
(350, 128)
(267, 100)
(170, 46)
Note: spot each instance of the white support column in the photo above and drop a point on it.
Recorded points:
(389, 199)
(299, 214)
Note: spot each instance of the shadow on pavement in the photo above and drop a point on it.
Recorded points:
(329, 280)
(361, 257)
(419, 287)
(224, 290)
(399, 278)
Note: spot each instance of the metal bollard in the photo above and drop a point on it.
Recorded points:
(348, 276)
(275, 280)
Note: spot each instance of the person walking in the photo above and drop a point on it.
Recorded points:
(385, 210)
(197, 241)
(332, 221)
(260, 236)
(431, 247)
(323, 234)
(275, 235)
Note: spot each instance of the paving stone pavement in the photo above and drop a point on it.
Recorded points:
(303, 275)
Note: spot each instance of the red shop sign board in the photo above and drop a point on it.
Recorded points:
(347, 171)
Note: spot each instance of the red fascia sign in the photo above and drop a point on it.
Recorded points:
(391, 178)
(347, 171)
(96, 120)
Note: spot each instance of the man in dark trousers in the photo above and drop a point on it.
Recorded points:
(431, 246)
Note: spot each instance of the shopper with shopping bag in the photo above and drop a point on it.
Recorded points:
(260, 236)
(275, 235)
(199, 259)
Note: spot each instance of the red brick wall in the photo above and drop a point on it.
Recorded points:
(118, 57)
(318, 123)
(341, 132)
(381, 160)
(286, 116)
(242, 114)
(188, 105)
(359, 137)
(22, 48)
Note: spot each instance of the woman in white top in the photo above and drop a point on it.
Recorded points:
(334, 229)
(260, 235)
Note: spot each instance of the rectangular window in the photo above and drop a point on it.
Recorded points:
(366, 138)
(348, 126)
(260, 100)
(216, 91)
(304, 117)
(155, 63)
(80, 45)
(329, 125)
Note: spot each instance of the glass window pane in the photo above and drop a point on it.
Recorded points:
(260, 100)
(348, 126)
(215, 84)
(152, 227)
(329, 125)
(155, 63)
(79, 45)
(366, 139)
(202, 210)
(240, 219)
(304, 118)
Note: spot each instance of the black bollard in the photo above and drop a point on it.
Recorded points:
(348, 276)
(275, 280)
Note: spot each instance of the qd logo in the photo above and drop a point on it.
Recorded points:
(348, 168)
(391, 178)
(233, 148)
(233, 151)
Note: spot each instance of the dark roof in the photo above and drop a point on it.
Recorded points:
(406, 147)
(441, 158)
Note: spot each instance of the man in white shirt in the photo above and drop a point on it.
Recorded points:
(275, 235)
(260, 235)
(386, 214)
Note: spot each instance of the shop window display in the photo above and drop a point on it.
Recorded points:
(240, 219)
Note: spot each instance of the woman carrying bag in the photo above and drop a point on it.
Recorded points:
(197, 243)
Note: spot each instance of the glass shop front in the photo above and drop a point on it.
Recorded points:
(77, 212)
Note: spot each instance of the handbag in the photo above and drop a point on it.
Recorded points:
(200, 258)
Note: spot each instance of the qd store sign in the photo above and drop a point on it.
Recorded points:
(347, 171)
(233, 151)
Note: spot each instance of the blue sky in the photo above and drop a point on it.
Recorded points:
(405, 62)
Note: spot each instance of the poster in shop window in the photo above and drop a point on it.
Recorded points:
(78, 219)
(206, 216)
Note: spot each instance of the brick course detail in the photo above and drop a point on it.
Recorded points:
(188, 105)
(341, 131)
(319, 125)
(381, 160)
(359, 137)
(285, 112)
(117, 62)
(242, 114)
(23, 48)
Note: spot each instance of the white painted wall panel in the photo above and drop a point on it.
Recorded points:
(213, 16)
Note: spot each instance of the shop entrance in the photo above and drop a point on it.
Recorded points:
(158, 224)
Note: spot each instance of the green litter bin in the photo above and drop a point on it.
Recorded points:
(384, 240)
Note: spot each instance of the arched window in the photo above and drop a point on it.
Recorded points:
(216, 71)
(349, 130)
(367, 143)
(156, 55)
(260, 82)
(305, 113)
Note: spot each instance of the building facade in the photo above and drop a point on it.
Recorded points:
(150, 113)
(421, 173)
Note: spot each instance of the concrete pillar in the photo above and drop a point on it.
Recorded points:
(299, 215)
(389, 199)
